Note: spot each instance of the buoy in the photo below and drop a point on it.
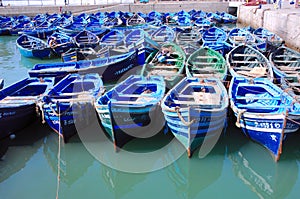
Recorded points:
(12, 136)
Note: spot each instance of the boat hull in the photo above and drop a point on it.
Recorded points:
(122, 66)
(15, 118)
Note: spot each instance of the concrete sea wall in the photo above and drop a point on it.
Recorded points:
(285, 22)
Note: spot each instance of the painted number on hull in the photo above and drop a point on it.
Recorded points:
(267, 125)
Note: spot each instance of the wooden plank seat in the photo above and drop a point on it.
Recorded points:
(247, 73)
(288, 68)
(245, 55)
(164, 67)
(244, 61)
(206, 57)
(205, 63)
(286, 61)
(205, 69)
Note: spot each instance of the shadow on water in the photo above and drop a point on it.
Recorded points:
(20, 150)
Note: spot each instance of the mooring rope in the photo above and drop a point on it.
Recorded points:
(58, 157)
(293, 121)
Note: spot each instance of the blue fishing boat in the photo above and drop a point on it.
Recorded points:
(112, 22)
(135, 20)
(244, 60)
(214, 34)
(77, 54)
(214, 17)
(202, 24)
(140, 40)
(60, 42)
(131, 109)
(109, 65)
(68, 106)
(272, 40)
(221, 47)
(262, 110)
(39, 32)
(163, 34)
(239, 36)
(1, 83)
(227, 18)
(195, 110)
(188, 36)
(167, 62)
(113, 38)
(286, 67)
(18, 104)
(86, 39)
(33, 47)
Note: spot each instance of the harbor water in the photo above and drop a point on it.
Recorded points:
(37, 164)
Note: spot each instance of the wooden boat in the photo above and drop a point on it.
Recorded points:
(1, 83)
(273, 40)
(127, 111)
(33, 47)
(140, 40)
(113, 38)
(202, 24)
(214, 34)
(112, 22)
(77, 54)
(214, 17)
(109, 65)
(163, 34)
(38, 32)
(60, 43)
(262, 109)
(135, 20)
(206, 62)
(246, 61)
(168, 62)
(68, 106)
(18, 104)
(188, 35)
(221, 47)
(189, 48)
(86, 39)
(227, 18)
(195, 110)
(286, 67)
(239, 36)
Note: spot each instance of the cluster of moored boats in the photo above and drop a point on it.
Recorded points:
(179, 72)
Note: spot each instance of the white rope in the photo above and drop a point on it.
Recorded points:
(188, 124)
(58, 157)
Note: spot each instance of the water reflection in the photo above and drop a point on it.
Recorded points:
(120, 183)
(21, 149)
(266, 178)
(192, 175)
(74, 158)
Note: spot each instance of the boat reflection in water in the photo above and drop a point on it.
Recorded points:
(74, 159)
(20, 150)
(266, 178)
(120, 183)
(192, 175)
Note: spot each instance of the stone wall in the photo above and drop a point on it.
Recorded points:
(284, 22)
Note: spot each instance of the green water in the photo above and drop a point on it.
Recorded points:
(235, 168)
